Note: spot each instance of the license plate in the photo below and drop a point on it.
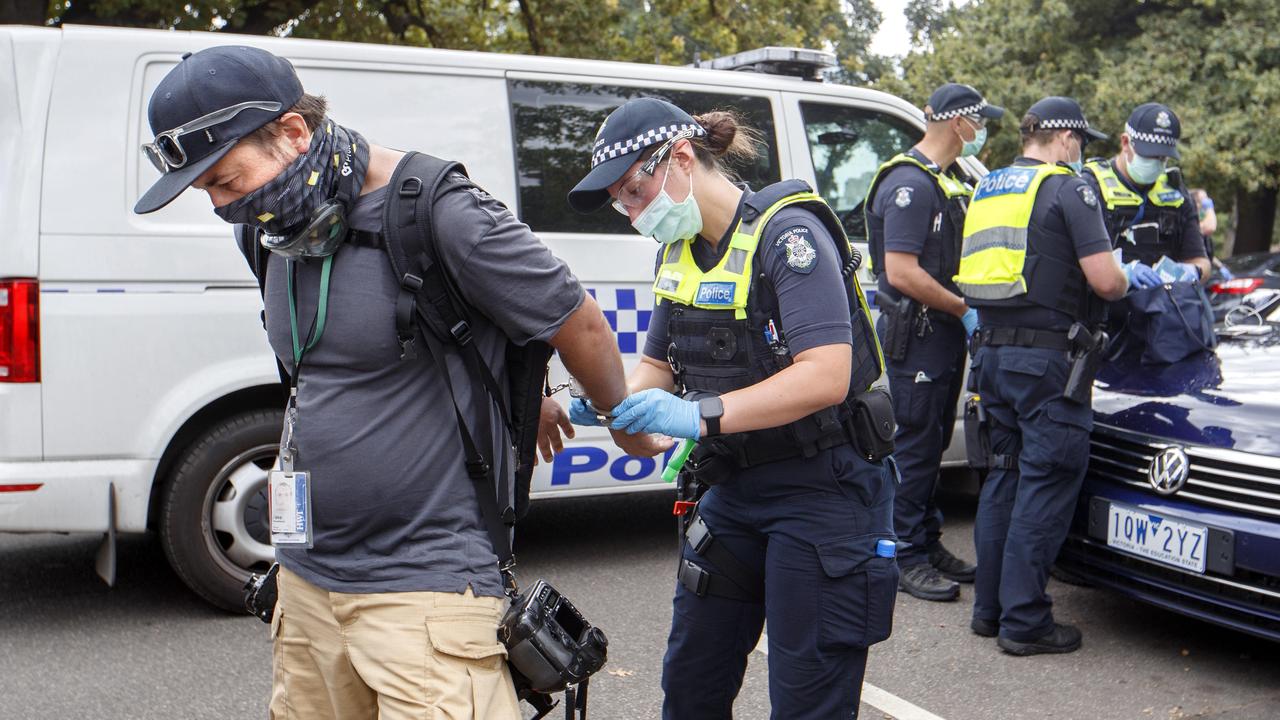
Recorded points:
(1157, 537)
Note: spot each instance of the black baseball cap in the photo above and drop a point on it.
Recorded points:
(205, 82)
(1063, 113)
(954, 99)
(1154, 130)
(628, 131)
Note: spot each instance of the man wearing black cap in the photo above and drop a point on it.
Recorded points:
(1149, 215)
(389, 602)
(915, 211)
(1036, 263)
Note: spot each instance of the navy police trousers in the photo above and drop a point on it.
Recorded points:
(925, 386)
(1024, 510)
(810, 526)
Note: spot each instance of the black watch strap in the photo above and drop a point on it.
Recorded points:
(711, 409)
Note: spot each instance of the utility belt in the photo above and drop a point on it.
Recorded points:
(869, 426)
(904, 317)
(1086, 350)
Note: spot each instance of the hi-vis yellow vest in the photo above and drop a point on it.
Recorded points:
(1115, 194)
(952, 189)
(994, 252)
(727, 285)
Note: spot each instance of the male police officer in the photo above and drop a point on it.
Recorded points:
(1148, 214)
(392, 610)
(1036, 259)
(915, 217)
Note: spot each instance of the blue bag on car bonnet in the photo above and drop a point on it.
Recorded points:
(1170, 322)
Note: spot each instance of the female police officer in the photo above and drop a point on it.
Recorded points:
(753, 318)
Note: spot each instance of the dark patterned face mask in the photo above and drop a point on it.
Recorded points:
(288, 202)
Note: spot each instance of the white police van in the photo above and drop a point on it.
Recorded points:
(137, 390)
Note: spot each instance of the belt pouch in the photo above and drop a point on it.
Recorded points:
(872, 424)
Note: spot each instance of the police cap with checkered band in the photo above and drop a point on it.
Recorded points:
(954, 100)
(638, 125)
(1062, 113)
(1154, 131)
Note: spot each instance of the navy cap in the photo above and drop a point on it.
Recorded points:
(1154, 131)
(206, 82)
(953, 100)
(628, 131)
(1062, 113)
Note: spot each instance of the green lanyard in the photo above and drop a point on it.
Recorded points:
(322, 308)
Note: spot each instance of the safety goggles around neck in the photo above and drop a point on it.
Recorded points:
(319, 238)
(629, 193)
(166, 152)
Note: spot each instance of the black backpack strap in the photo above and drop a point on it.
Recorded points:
(428, 300)
(257, 257)
(481, 473)
(411, 244)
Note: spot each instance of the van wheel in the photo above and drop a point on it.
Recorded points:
(213, 513)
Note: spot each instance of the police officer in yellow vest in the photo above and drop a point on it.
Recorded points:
(915, 211)
(1036, 263)
(760, 348)
(1148, 215)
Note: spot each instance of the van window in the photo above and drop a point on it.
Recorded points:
(555, 125)
(847, 145)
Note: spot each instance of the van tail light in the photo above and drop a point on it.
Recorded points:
(19, 331)
(1235, 286)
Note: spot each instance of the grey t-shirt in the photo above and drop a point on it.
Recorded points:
(393, 507)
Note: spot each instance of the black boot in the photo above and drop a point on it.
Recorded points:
(924, 582)
(985, 628)
(1062, 639)
(951, 566)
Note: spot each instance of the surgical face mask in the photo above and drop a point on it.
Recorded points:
(668, 221)
(1144, 170)
(971, 147)
(1077, 165)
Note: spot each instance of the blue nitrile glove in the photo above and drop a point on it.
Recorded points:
(658, 411)
(581, 414)
(1141, 276)
(970, 320)
(1190, 273)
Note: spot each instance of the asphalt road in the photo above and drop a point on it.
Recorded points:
(71, 648)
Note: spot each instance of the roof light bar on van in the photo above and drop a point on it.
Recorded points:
(772, 60)
(19, 331)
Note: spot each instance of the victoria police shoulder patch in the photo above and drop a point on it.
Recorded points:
(1087, 196)
(795, 245)
(902, 198)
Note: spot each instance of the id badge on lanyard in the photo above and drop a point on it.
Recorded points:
(290, 491)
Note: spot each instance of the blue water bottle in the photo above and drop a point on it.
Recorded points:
(886, 548)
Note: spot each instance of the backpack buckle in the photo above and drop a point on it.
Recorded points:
(411, 282)
(411, 187)
(477, 469)
(461, 332)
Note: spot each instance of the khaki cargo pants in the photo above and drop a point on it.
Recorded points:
(387, 656)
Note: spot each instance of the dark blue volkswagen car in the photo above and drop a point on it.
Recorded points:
(1181, 503)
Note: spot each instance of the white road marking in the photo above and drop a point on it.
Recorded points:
(882, 700)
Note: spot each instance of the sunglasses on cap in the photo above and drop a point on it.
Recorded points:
(166, 152)
(628, 194)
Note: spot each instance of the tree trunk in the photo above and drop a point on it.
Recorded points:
(1257, 220)
(23, 12)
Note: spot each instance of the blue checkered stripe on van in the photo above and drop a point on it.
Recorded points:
(628, 315)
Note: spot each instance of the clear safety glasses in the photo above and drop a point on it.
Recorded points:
(630, 194)
(166, 152)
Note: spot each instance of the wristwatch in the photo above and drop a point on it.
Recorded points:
(711, 409)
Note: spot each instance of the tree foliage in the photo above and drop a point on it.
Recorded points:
(660, 31)
(1215, 62)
